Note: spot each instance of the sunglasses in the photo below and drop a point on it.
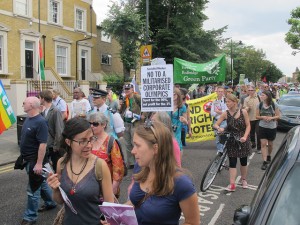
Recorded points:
(95, 124)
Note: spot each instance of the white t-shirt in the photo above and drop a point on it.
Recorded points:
(80, 107)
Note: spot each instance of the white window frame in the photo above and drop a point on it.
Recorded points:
(109, 56)
(3, 48)
(59, 12)
(84, 15)
(33, 36)
(28, 9)
(68, 58)
(105, 38)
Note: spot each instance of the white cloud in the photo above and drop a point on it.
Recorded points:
(261, 23)
(258, 23)
(101, 8)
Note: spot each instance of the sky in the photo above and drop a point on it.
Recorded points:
(260, 23)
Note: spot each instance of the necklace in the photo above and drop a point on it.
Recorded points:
(73, 188)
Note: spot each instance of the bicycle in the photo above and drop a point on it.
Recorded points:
(218, 163)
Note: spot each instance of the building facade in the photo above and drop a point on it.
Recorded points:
(65, 30)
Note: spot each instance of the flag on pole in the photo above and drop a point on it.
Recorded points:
(7, 116)
(135, 85)
(42, 71)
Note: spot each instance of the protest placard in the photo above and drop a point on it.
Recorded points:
(201, 120)
(157, 88)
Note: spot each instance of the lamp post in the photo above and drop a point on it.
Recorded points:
(231, 59)
(231, 62)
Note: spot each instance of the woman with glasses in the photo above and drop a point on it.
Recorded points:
(76, 175)
(111, 154)
(161, 190)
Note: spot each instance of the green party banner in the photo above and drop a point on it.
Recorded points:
(189, 73)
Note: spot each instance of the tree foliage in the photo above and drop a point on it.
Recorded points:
(293, 36)
(176, 30)
(251, 62)
(126, 26)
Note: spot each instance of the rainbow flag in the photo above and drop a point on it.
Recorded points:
(7, 116)
(42, 70)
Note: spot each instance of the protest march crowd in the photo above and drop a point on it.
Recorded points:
(85, 146)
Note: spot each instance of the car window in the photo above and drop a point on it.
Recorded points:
(286, 207)
(290, 101)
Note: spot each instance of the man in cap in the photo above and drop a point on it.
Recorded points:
(79, 106)
(130, 109)
(115, 121)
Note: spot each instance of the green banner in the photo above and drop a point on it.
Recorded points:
(190, 73)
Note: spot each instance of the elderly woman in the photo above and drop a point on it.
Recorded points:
(238, 124)
(111, 154)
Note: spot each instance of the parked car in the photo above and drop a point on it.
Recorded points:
(289, 107)
(277, 199)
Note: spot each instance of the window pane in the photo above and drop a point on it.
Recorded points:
(54, 11)
(285, 209)
(79, 19)
(106, 59)
(61, 60)
(21, 7)
(1, 55)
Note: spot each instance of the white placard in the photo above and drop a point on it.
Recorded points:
(157, 88)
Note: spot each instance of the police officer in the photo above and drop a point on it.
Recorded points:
(115, 121)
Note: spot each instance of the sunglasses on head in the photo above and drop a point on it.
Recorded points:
(95, 124)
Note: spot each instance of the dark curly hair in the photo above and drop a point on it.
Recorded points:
(73, 127)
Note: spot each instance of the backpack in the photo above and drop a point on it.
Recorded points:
(109, 148)
(272, 105)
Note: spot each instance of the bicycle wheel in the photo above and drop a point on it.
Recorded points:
(211, 172)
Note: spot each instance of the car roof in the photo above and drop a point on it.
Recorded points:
(274, 177)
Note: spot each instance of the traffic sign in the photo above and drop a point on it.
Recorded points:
(146, 53)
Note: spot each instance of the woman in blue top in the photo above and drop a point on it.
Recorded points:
(178, 116)
(161, 190)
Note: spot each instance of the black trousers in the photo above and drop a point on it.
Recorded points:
(255, 132)
(54, 156)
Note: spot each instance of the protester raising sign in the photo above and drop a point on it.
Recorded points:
(157, 88)
(201, 121)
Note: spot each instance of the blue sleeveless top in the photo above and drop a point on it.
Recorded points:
(85, 200)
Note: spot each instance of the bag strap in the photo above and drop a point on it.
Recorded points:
(98, 170)
(110, 144)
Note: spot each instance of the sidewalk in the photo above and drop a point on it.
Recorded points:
(9, 149)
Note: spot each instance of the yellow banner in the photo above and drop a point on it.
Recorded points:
(201, 121)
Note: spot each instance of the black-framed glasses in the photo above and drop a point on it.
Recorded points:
(84, 143)
(95, 124)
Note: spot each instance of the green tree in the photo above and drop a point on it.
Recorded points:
(176, 30)
(126, 26)
(293, 36)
